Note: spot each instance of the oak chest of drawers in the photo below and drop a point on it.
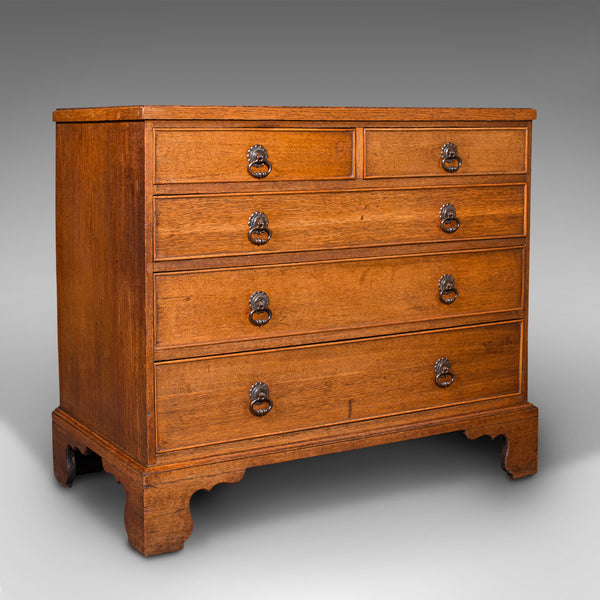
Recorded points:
(239, 286)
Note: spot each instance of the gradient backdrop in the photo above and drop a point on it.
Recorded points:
(424, 519)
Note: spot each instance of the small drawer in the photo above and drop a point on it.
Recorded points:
(234, 397)
(222, 155)
(203, 307)
(198, 226)
(418, 152)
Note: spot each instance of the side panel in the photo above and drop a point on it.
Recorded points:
(100, 255)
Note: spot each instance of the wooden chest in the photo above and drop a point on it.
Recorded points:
(239, 286)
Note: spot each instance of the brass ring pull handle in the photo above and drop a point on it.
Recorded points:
(448, 291)
(443, 372)
(259, 394)
(259, 304)
(257, 158)
(258, 228)
(449, 222)
(449, 155)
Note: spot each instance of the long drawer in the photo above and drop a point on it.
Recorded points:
(197, 226)
(188, 155)
(220, 399)
(202, 307)
(413, 152)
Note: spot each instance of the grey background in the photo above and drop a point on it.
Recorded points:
(422, 519)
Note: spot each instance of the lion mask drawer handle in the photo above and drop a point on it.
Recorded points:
(449, 155)
(259, 304)
(259, 394)
(449, 222)
(258, 228)
(257, 158)
(448, 291)
(443, 372)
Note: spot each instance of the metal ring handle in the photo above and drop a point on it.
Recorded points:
(260, 322)
(449, 155)
(257, 164)
(449, 222)
(443, 372)
(450, 168)
(447, 286)
(259, 304)
(255, 233)
(258, 226)
(259, 394)
(257, 158)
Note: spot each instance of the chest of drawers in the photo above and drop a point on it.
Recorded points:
(240, 286)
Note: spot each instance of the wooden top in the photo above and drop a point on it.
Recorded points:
(290, 113)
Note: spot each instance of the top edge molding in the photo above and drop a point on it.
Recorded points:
(289, 113)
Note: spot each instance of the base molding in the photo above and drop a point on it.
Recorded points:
(157, 509)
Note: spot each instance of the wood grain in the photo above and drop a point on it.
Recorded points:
(292, 113)
(211, 306)
(331, 185)
(198, 226)
(233, 346)
(280, 258)
(197, 155)
(417, 152)
(206, 401)
(100, 262)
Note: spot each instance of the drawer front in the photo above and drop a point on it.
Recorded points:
(213, 155)
(206, 401)
(417, 152)
(203, 307)
(197, 226)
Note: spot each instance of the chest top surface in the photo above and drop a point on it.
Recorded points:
(291, 113)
